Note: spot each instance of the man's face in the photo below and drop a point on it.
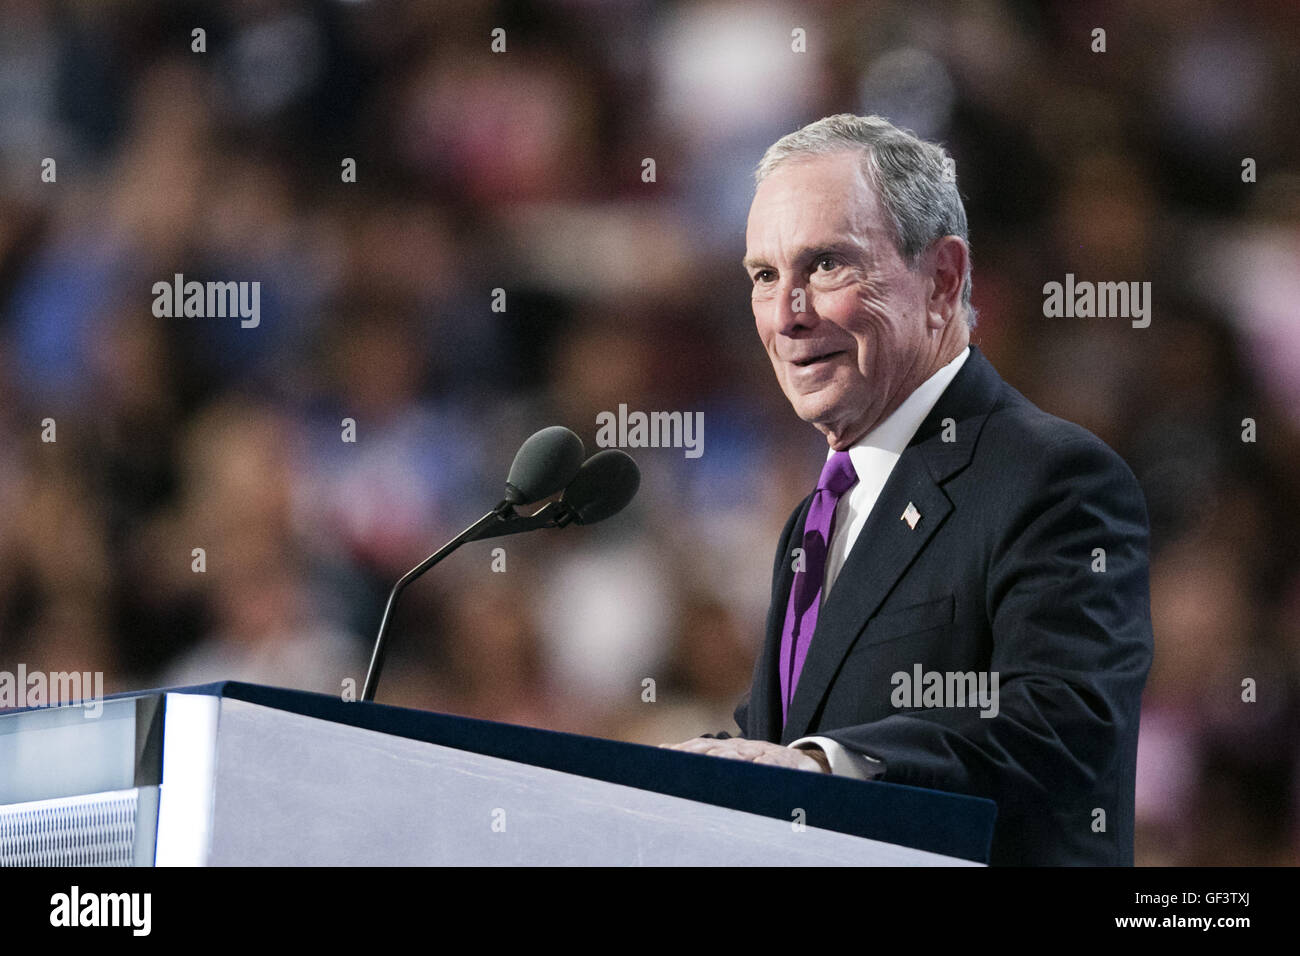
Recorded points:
(817, 231)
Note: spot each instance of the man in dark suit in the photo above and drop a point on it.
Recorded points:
(962, 603)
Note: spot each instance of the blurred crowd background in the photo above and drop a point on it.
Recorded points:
(522, 171)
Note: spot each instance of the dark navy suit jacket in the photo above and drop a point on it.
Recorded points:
(1001, 573)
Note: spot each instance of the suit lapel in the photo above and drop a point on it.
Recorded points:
(765, 699)
(868, 575)
(887, 545)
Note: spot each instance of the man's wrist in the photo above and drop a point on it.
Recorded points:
(819, 755)
(841, 761)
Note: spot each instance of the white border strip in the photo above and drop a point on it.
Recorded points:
(188, 778)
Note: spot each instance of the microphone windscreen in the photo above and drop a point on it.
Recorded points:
(604, 485)
(547, 462)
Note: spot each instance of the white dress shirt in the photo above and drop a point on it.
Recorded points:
(873, 457)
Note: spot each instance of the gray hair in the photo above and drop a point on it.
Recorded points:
(916, 180)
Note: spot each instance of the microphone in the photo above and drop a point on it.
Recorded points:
(604, 485)
(544, 464)
(547, 462)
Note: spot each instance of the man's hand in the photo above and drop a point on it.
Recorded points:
(757, 751)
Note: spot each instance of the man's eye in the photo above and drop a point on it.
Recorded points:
(762, 275)
(826, 263)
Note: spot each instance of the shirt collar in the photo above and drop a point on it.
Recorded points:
(893, 434)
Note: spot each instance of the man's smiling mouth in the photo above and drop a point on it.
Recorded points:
(815, 359)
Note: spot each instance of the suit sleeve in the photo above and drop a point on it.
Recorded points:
(741, 714)
(1071, 646)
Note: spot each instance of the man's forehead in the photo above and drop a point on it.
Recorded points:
(807, 201)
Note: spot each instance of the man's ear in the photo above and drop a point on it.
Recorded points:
(946, 260)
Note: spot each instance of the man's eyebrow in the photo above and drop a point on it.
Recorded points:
(844, 247)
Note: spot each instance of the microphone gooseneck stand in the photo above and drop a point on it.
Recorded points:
(549, 461)
(500, 513)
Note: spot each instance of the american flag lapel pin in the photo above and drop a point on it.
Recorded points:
(911, 515)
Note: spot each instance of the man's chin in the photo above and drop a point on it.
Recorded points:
(822, 417)
(828, 420)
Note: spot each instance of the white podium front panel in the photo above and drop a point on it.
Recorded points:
(294, 790)
(194, 778)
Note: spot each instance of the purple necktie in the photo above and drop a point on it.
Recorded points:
(805, 595)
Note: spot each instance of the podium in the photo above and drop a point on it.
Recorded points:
(240, 774)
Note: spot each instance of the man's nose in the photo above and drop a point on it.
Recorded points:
(791, 309)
